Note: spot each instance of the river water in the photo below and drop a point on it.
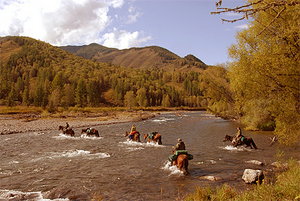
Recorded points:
(49, 165)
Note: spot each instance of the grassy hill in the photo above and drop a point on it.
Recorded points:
(152, 57)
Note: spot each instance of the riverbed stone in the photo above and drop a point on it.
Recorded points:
(279, 165)
(211, 178)
(255, 162)
(252, 176)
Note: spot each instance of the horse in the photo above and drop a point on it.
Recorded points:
(68, 131)
(248, 141)
(135, 137)
(182, 162)
(92, 132)
(156, 137)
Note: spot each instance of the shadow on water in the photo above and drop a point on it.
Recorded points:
(52, 165)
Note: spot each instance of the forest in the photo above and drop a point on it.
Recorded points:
(45, 76)
(259, 88)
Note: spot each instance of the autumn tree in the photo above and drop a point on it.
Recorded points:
(141, 97)
(265, 73)
(129, 99)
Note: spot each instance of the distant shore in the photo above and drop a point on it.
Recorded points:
(22, 123)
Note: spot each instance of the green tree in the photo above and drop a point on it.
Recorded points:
(12, 97)
(38, 96)
(25, 97)
(68, 98)
(57, 81)
(80, 93)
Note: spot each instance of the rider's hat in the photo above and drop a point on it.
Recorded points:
(179, 140)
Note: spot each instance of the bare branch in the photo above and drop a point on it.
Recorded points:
(248, 9)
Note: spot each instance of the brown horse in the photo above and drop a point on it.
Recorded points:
(91, 132)
(68, 131)
(156, 137)
(135, 137)
(248, 141)
(182, 162)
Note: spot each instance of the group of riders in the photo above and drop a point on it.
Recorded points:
(179, 147)
(180, 144)
(67, 127)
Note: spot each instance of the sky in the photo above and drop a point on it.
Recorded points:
(181, 26)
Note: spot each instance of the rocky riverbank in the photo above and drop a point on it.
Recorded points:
(22, 123)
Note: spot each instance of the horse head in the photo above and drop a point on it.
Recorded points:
(145, 136)
(126, 134)
(60, 128)
(227, 138)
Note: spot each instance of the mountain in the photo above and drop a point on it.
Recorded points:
(151, 57)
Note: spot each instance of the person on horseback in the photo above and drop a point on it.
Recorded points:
(67, 126)
(239, 137)
(88, 130)
(178, 150)
(180, 145)
(133, 131)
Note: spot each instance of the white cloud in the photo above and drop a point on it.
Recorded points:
(132, 17)
(242, 26)
(124, 39)
(59, 22)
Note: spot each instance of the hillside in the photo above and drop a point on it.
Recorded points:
(152, 57)
(35, 73)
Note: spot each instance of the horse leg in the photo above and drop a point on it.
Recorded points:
(180, 165)
(185, 164)
(159, 140)
(253, 144)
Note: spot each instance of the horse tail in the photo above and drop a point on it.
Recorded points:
(185, 164)
(253, 144)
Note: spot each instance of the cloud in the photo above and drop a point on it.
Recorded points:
(59, 22)
(132, 17)
(123, 39)
(242, 26)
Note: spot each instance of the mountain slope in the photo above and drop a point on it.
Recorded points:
(151, 57)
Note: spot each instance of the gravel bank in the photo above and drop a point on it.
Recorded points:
(10, 124)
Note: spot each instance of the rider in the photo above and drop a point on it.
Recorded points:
(180, 145)
(67, 126)
(239, 135)
(133, 131)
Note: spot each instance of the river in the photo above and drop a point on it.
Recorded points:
(49, 165)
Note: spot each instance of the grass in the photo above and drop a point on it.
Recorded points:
(286, 187)
(20, 110)
(72, 110)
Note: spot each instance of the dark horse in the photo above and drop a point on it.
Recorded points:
(135, 137)
(182, 162)
(248, 141)
(156, 137)
(90, 132)
(68, 131)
